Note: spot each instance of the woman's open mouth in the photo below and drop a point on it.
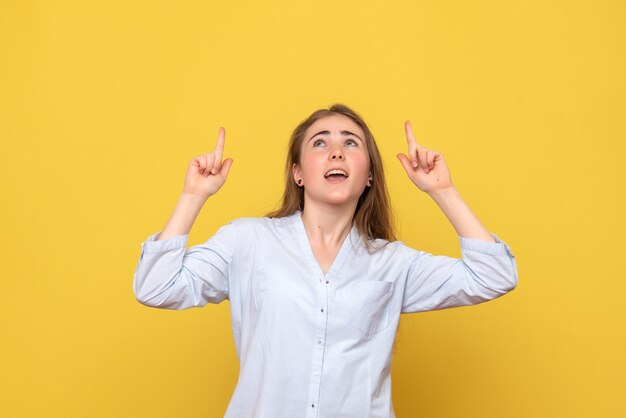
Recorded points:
(336, 175)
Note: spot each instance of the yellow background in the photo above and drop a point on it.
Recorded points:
(103, 105)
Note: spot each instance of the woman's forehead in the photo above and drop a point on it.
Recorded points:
(335, 123)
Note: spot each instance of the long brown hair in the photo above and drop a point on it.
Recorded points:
(373, 215)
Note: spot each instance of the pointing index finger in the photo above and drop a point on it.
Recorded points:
(220, 140)
(219, 150)
(411, 144)
(409, 133)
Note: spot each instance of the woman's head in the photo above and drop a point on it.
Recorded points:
(338, 137)
(333, 142)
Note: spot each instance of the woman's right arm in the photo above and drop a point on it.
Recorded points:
(166, 275)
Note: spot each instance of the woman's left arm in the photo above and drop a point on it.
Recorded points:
(428, 170)
(460, 215)
(487, 268)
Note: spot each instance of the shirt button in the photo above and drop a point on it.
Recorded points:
(327, 282)
(322, 310)
(312, 405)
(319, 342)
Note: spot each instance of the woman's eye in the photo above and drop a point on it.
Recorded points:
(317, 141)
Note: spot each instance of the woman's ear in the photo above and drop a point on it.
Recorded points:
(296, 172)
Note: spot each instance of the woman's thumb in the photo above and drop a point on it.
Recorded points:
(226, 166)
(405, 162)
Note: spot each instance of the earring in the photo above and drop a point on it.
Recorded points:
(300, 181)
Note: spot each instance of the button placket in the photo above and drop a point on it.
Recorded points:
(318, 352)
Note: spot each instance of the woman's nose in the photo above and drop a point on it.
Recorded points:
(336, 155)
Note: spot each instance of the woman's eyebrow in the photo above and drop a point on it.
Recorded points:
(344, 133)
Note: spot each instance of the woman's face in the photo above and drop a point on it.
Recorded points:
(333, 142)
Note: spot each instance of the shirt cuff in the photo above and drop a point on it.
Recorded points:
(151, 245)
(498, 247)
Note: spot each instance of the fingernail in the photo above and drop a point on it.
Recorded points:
(414, 164)
(213, 170)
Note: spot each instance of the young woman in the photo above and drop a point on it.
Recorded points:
(317, 287)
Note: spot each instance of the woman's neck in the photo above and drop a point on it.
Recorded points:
(327, 225)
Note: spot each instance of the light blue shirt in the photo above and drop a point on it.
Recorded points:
(309, 344)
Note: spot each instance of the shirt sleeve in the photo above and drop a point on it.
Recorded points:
(169, 277)
(485, 271)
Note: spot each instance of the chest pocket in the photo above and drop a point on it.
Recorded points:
(364, 305)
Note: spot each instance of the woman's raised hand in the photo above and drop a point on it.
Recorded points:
(207, 173)
(426, 168)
